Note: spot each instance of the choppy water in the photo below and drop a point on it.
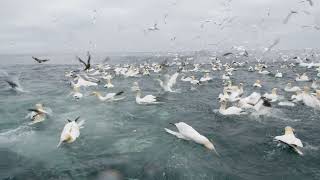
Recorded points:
(129, 140)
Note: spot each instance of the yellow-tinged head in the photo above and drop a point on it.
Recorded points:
(288, 130)
(274, 91)
(95, 93)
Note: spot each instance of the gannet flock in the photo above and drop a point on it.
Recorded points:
(234, 99)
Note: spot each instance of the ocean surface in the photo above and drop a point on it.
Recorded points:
(124, 140)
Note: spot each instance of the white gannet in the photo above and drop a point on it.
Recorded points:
(273, 96)
(186, 132)
(169, 82)
(108, 96)
(310, 100)
(290, 139)
(257, 84)
(315, 84)
(278, 74)
(71, 131)
(76, 93)
(186, 79)
(206, 78)
(224, 96)
(82, 82)
(303, 77)
(109, 84)
(290, 88)
(38, 114)
(264, 72)
(286, 103)
(230, 110)
(194, 81)
(135, 87)
(148, 99)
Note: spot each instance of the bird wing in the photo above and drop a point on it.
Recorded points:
(89, 58)
(186, 130)
(81, 61)
(290, 140)
(173, 79)
(178, 135)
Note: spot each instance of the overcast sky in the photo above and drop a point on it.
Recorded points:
(68, 26)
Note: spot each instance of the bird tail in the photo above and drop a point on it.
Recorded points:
(178, 135)
(119, 93)
(59, 144)
(81, 123)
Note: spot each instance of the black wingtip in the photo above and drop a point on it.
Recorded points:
(77, 119)
(119, 93)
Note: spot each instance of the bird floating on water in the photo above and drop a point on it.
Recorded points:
(290, 139)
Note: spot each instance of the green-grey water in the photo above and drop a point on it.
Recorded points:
(128, 140)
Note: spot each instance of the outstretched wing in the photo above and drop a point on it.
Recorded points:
(81, 61)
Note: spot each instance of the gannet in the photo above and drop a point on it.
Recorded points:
(148, 99)
(13, 82)
(186, 132)
(273, 96)
(309, 100)
(290, 139)
(257, 84)
(87, 65)
(194, 81)
(135, 87)
(290, 88)
(76, 93)
(206, 78)
(85, 83)
(230, 110)
(109, 84)
(38, 114)
(71, 131)
(278, 74)
(303, 77)
(169, 82)
(108, 96)
(40, 60)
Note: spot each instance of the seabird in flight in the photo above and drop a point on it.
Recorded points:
(40, 60)
(86, 65)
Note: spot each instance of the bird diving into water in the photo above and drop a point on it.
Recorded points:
(87, 65)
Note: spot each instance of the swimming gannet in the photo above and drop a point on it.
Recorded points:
(85, 83)
(38, 114)
(71, 131)
(278, 74)
(206, 78)
(303, 77)
(135, 87)
(109, 84)
(290, 139)
(290, 88)
(257, 84)
(186, 132)
(76, 93)
(108, 96)
(310, 100)
(148, 99)
(273, 96)
(230, 110)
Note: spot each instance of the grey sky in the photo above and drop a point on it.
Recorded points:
(38, 26)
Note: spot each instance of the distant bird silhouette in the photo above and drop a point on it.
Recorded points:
(285, 21)
(40, 60)
(154, 27)
(86, 65)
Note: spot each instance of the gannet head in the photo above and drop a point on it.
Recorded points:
(306, 89)
(39, 106)
(258, 81)
(274, 91)
(288, 130)
(95, 93)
